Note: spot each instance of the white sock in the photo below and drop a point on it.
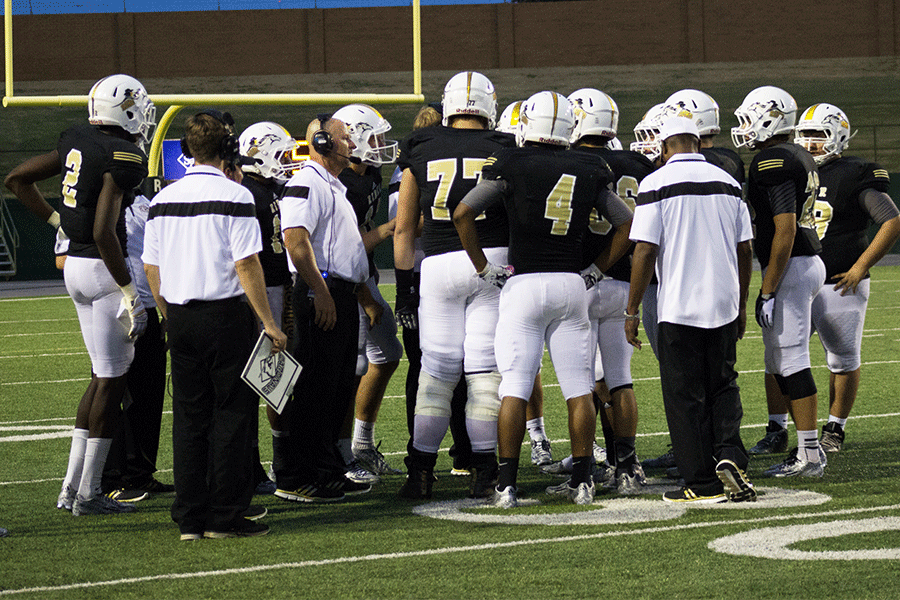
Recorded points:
(808, 445)
(782, 420)
(76, 459)
(95, 453)
(363, 435)
(838, 420)
(536, 429)
(344, 447)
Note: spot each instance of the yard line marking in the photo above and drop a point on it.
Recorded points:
(37, 321)
(11, 335)
(44, 355)
(32, 298)
(448, 550)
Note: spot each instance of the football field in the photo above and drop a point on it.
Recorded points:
(835, 537)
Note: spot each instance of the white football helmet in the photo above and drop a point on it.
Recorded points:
(367, 127)
(470, 93)
(269, 145)
(647, 129)
(824, 131)
(697, 106)
(122, 100)
(766, 112)
(509, 118)
(546, 118)
(596, 113)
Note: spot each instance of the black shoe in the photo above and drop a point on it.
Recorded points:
(738, 488)
(243, 528)
(128, 495)
(832, 437)
(311, 492)
(484, 481)
(418, 484)
(155, 487)
(254, 512)
(774, 442)
(348, 486)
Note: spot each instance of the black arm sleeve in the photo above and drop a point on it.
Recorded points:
(783, 198)
(878, 205)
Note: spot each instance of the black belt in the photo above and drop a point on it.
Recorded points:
(336, 284)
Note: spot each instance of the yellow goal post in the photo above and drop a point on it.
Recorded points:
(176, 102)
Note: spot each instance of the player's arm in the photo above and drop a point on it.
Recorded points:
(479, 198)
(373, 309)
(407, 222)
(783, 198)
(371, 239)
(109, 207)
(300, 250)
(250, 273)
(642, 264)
(745, 269)
(21, 182)
(616, 212)
(882, 210)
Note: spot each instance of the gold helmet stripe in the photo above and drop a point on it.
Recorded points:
(555, 110)
(809, 112)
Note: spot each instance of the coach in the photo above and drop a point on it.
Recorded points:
(200, 256)
(691, 223)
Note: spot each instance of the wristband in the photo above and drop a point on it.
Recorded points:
(766, 296)
(53, 220)
(634, 317)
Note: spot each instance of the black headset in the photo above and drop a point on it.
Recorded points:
(229, 146)
(321, 141)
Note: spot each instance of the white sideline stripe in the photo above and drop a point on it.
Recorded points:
(44, 355)
(33, 298)
(38, 321)
(441, 551)
(9, 335)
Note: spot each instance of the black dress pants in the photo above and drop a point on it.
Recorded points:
(213, 412)
(702, 401)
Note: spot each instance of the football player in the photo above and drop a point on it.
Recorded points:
(549, 195)
(380, 350)
(101, 164)
(645, 133)
(782, 186)
(596, 123)
(458, 311)
(267, 148)
(852, 194)
(704, 111)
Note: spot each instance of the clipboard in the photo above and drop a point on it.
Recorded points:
(272, 376)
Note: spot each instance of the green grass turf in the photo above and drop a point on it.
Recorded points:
(374, 546)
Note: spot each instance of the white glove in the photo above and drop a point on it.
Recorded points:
(591, 275)
(496, 274)
(765, 310)
(132, 314)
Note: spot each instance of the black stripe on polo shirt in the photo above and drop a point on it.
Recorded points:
(688, 188)
(395, 187)
(195, 209)
(296, 191)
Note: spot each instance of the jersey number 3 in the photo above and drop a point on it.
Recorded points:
(70, 180)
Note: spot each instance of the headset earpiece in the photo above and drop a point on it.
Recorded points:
(322, 142)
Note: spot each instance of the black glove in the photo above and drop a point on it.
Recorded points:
(406, 308)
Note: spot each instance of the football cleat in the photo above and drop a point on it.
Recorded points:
(583, 494)
(99, 505)
(832, 437)
(66, 498)
(795, 466)
(311, 493)
(373, 461)
(356, 472)
(506, 498)
(663, 461)
(775, 441)
(540, 452)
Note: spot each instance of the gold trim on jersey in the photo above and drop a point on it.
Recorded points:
(128, 157)
(881, 173)
(489, 161)
(772, 163)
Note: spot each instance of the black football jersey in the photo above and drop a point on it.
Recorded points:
(841, 221)
(726, 159)
(266, 195)
(551, 196)
(364, 193)
(86, 154)
(774, 166)
(447, 164)
(629, 169)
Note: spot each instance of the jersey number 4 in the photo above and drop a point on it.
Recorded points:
(444, 171)
(70, 180)
(558, 207)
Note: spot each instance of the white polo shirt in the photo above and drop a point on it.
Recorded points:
(317, 201)
(693, 211)
(197, 229)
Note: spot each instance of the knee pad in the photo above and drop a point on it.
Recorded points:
(434, 395)
(779, 379)
(627, 386)
(800, 384)
(484, 399)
